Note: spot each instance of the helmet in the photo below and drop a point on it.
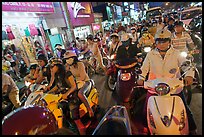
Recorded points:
(125, 37)
(114, 35)
(33, 66)
(121, 28)
(154, 21)
(42, 57)
(58, 46)
(178, 23)
(144, 30)
(69, 54)
(31, 120)
(55, 61)
(91, 37)
(163, 34)
(133, 28)
(96, 39)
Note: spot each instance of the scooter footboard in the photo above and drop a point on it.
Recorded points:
(166, 115)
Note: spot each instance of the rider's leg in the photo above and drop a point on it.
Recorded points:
(83, 98)
(14, 97)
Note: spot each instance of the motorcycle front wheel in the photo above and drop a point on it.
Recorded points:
(110, 82)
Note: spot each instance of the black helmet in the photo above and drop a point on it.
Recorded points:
(91, 37)
(33, 66)
(41, 57)
(154, 21)
(178, 23)
(144, 29)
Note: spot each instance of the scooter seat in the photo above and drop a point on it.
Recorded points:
(112, 127)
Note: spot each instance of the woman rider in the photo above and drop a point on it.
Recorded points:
(65, 83)
(77, 68)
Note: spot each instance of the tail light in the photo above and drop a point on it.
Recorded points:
(182, 121)
(125, 76)
(151, 119)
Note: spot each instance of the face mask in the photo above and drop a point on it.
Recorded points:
(70, 61)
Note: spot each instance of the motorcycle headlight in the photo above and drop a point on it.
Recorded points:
(162, 89)
(147, 49)
(27, 83)
(184, 54)
(112, 56)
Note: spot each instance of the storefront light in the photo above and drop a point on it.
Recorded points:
(16, 14)
(5, 13)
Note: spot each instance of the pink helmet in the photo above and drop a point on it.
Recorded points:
(31, 120)
(69, 54)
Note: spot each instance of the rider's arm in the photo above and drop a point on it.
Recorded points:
(40, 78)
(190, 42)
(72, 84)
(145, 67)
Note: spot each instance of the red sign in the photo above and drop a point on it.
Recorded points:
(81, 13)
(28, 6)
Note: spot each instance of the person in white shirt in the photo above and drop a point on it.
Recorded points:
(160, 24)
(164, 61)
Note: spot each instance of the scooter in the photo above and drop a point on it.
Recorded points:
(166, 113)
(111, 73)
(51, 101)
(115, 122)
(126, 92)
(90, 66)
(196, 86)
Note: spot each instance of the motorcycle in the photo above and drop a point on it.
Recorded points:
(126, 92)
(51, 101)
(166, 113)
(90, 66)
(111, 73)
(196, 86)
(115, 122)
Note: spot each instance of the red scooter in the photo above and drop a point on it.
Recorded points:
(111, 74)
(126, 92)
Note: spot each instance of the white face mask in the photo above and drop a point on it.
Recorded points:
(70, 61)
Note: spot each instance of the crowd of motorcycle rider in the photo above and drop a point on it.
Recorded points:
(62, 69)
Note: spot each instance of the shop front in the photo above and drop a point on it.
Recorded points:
(81, 18)
(21, 26)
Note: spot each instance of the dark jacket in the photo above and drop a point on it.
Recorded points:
(124, 54)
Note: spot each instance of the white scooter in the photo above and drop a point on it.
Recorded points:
(166, 113)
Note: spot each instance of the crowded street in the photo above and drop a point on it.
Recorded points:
(101, 68)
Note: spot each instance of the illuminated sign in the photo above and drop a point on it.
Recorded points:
(80, 13)
(28, 6)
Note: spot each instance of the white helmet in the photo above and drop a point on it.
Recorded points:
(163, 34)
(125, 37)
(69, 54)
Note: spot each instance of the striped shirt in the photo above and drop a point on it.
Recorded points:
(182, 42)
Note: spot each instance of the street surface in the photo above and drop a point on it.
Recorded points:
(106, 100)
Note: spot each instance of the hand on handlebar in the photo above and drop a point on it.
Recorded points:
(188, 80)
